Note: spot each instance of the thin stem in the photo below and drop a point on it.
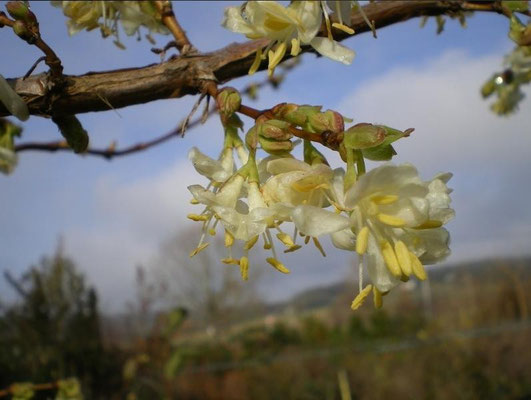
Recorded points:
(168, 19)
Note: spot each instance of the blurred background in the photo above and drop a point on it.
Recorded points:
(97, 283)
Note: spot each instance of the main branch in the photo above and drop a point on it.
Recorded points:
(187, 74)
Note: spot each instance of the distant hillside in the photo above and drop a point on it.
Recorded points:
(483, 270)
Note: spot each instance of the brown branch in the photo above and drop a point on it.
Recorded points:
(111, 152)
(188, 73)
(34, 38)
(168, 19)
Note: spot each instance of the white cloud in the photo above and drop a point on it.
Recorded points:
(130, 221)
(455, 131)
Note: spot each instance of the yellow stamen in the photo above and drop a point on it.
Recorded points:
(318, 245)
(275, 57)
(362, 240)
(286, 239)
(256, 62)
(234, 261)
(194, 201)
(198, 249)
(360, 298)
(418, 268)
(196, 217)
(250, 243)
(391, 262)
(377, 298)
(429, 224)
(229, 239)
(295, 47)
(293, 248)
(383, 199)
(402, 253)
(244, 268)
(327, 23)
(391, 220)
(343, 28)
(277, 265)
(212, 232)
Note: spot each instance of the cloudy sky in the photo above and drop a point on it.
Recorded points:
(116, 215)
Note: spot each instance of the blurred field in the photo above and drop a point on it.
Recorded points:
(466, 335)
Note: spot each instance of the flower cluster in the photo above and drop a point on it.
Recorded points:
(289, 27)
(105, 15)
(388, 216)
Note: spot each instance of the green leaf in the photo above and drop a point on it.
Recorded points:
(379, 153)
(8, 157)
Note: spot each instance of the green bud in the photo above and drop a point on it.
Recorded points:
(274, 147)
(22, 391)
(488, 87)
(251, 138)
(274, 129)
(519, 33)
(229, 101)
(313, 156)
(72, 130)
(379, 153)
(22, 31)
(327, 121)
(20, 12)
(69, 389)
(363, 136)
(295, 114)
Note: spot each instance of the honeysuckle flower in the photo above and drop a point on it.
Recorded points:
(89, 15)
(293, 25)
(396, 222)
(295, 182)
(215, 170)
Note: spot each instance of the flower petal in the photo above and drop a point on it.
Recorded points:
(333, 50)
(314, 221)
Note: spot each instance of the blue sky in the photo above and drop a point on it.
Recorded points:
(115, 215)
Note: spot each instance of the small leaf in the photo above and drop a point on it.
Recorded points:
(72, 130)
(379, 153)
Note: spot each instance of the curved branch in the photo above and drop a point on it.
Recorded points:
(187, 74)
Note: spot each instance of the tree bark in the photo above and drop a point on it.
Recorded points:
(187, 74)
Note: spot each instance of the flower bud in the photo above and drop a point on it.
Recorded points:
(251, 138)
(274, 147)
(20, 11)
(22, 31)
(327, 121)
(72, 130)
(363, 136)
(488, 87)
(229, 101)
(295, 114)
(274, 129)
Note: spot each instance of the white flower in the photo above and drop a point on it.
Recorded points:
(396, 221)
(298, 23)
(218, 171)
(295, 182)
(399, 217)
